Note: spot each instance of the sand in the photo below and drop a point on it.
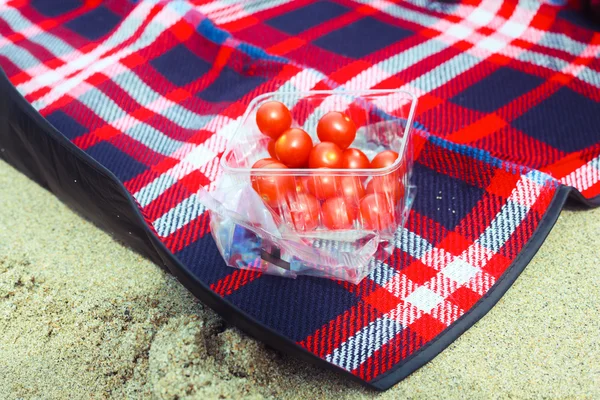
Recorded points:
(82, 316)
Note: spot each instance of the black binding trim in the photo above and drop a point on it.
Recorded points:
(34, 147)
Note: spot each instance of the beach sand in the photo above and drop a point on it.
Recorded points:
(82, 316)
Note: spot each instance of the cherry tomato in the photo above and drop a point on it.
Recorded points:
(324, 186)
(355, 159)
(302, 184)
(375, 212)
(271, 149)
(273, 189)
(336, 127)
(390, 186)
(338, 213)
(273, 118)
(293, 148)
(305, 211)
(262, 162)
(384, 159)
(352, 189)
(325, 154)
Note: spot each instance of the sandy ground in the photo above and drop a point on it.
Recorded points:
(82, 316)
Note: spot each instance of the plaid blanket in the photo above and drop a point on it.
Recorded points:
(507, 126)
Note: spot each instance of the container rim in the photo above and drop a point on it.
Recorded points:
(323, 171)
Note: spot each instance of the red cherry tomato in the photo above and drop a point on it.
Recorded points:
(336, 127)
(324, 186)
(273, 118)
(273, 189)
(302, 184)
(325, 154)
(338, 213)
(305, 211)
(355, 159)
(384, 159)
(262, 162)
(390, 186)
(352, 189)
(375, 212)
(293, 148)
(271, 149)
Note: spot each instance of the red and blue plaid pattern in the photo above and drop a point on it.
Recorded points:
(508, 111)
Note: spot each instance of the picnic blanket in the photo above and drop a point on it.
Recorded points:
(123, 109)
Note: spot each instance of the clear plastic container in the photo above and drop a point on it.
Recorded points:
(292, 236)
